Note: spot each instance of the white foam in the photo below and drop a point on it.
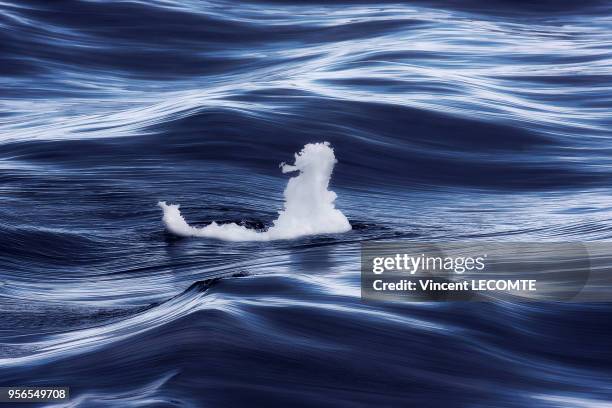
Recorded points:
(308, 209)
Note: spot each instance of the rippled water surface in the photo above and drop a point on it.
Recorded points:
(450, 121)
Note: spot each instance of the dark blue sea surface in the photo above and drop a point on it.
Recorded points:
(450, 120)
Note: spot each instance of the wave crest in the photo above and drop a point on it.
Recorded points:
(308, 210)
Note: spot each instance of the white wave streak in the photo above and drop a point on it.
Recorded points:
(309, 205)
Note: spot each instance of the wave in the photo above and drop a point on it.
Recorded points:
(467, 121)
(309, 205)
(71, 78)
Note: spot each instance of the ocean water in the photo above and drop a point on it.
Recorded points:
(476, 120)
